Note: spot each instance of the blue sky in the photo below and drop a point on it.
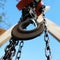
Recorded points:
(34, 49)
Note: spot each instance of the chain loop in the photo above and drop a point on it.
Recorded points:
(18, 56)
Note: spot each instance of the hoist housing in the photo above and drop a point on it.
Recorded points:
(24, 3)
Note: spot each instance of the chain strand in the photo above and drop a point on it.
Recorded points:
(10, 50)
(46, 37)
(18, 56)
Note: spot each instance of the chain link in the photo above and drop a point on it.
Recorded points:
(10, 50)
(18, 55)
(46, 37)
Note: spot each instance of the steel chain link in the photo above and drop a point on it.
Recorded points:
(10, 50)
(18, 55)
(46, 37)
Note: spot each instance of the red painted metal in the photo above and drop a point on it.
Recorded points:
(37, 9)
(23, 3)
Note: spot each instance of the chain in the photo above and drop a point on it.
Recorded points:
(10, 50)
(18, 55)
(46, 37)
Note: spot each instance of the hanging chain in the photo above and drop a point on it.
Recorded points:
(46, 37)
(10, 50)
(18, 56)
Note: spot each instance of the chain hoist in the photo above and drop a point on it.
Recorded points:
(46, 37)
(19, 34)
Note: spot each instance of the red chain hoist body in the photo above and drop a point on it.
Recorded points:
(23, 3)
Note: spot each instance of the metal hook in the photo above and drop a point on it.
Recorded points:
(19, 33)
